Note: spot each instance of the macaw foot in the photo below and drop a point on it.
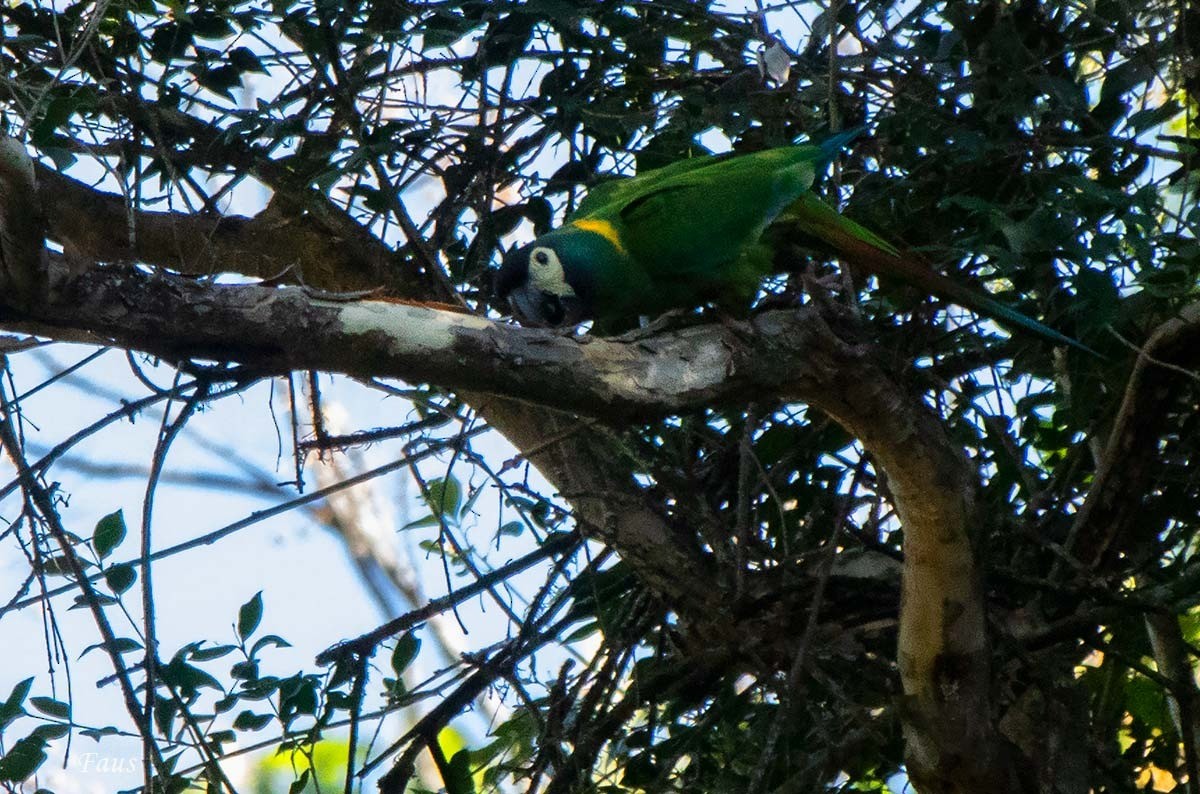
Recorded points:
(777, 300)
(821, 288)
(658, 324)
(830, 282)
(740, 327)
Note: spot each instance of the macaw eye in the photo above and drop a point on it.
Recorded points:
(546, 273)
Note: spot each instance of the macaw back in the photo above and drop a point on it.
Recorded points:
(689, 232)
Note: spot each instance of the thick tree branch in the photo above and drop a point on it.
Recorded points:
(951, 744)
(83, 219)
(279, 329)
(95, 226)
(22, 229)
(336, 254)
(1106, 523)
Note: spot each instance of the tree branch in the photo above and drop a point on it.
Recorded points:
(271, 245)
(22, 228)
(1115, 507)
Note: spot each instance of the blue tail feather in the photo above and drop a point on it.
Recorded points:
(833, 145)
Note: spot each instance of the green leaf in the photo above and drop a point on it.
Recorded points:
(298, 695)
(187, 678)
(428, 521)
(249, 721)
(13, 704)
(560, 11)
(51, 731)
(217, 738)
(58, 112)
(169, 41)
(395, 688)
(244, 671)
(58, 565)
(299, 784)
(273, 640)
(404, 652)
(586, 630)
(216, 652)
(1146, 701)
(1146, 118)
(165, 710)
(120, 577)
(458, 779)
(640, 771)
(23, 759)
(100, 733)
(261, 688)
(1099, 301)
(249, 616)
(444, 497)
(219, 79)
(443, 29)
(84, 601)
(505, 219)
(51, 707)
(110, 531)
(224, 704)
(211, 25)
(119, 645)
(472, 498)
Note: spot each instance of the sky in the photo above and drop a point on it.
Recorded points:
(313, 595)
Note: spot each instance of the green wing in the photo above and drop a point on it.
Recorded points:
(690, 231)
(609, 197)
(614, 193)
(696, 219)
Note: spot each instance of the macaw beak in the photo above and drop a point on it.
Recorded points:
(531, 306)
(526, 303)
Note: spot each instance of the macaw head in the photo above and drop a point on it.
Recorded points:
(551, 281)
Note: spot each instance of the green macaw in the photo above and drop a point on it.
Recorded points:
(679, 236)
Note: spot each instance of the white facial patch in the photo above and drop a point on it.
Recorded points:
(546, 273)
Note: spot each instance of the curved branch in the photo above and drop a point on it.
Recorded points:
(279, 329)
(273, 244)
(333, 253)
(1114, 508)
